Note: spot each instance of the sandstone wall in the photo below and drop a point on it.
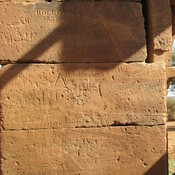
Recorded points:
(79, 94)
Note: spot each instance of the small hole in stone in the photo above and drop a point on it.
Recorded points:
(145, 164)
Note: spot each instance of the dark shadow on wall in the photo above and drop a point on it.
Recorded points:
(79, 32)
(173, 19)
(160, 167)
(88, 33)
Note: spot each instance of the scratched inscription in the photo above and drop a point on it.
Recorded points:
(83, 74)
(73, 86)
(47, 15)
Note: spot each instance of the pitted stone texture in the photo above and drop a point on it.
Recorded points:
(97, 151)
(163, 56)
(162, 30)
(77, 95)
(171, 140)
(72, 32)
(162, 25)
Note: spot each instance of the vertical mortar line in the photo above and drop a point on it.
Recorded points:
(147, 14)
(167, 149)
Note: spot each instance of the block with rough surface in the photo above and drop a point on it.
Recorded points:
(72, 32)
(97, 151)
(76, 95)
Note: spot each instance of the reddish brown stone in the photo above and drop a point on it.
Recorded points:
(72, 32)
(75, 95)
(162, 25)
(163, 56)
(97, 151)
(160, 12)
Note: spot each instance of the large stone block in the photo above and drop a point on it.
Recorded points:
(171, 146)
(162, 24)
(72, 32)
(97, 151)
(76, 95)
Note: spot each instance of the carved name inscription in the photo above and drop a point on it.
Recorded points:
(72, 32)
(73, 95)
(47, 16)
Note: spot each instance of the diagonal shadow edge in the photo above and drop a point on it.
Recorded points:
(160, 167)
(35, 52)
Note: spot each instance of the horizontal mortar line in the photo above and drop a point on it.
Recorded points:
(24, 129)
(16, 62)
(82, 127)
(96, 1)
(118, 125)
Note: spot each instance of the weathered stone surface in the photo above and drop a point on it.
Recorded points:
(171, 140)
(160, 31)
(160, 55)
(72, 32)
(75, 95)
(162, 25)
(97, 151)
(170, 72)
(72, 119)
(171, 146)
